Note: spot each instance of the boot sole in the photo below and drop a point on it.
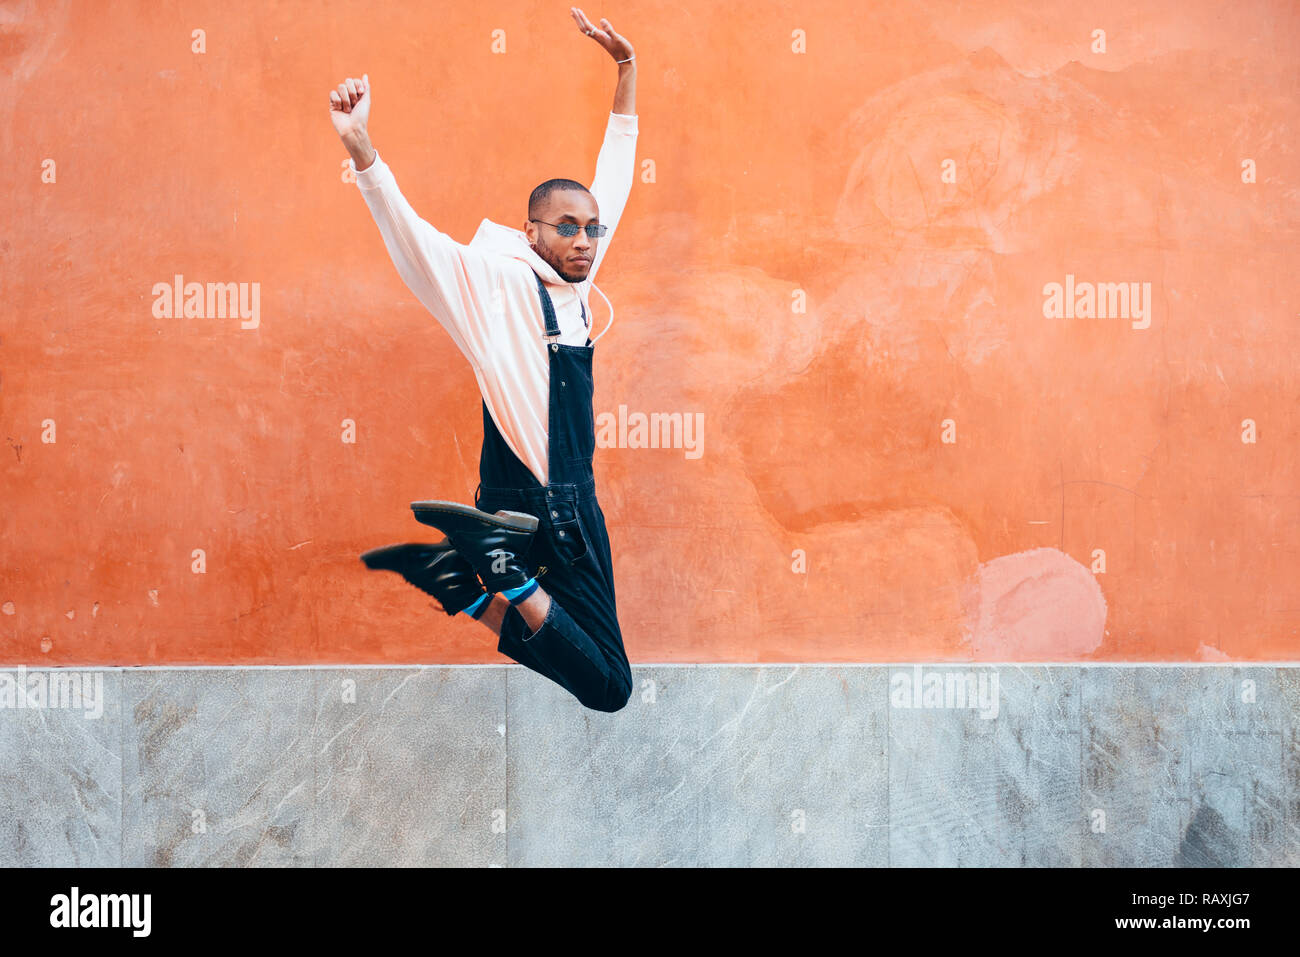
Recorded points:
(515, 521)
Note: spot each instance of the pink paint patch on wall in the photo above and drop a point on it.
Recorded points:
(1039, 605)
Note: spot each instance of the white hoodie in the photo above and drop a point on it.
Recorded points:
(485, 296)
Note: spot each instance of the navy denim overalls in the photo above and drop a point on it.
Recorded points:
(579, 646)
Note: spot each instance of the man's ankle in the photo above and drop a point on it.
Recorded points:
(495, 613)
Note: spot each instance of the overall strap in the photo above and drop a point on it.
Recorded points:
(548, 309)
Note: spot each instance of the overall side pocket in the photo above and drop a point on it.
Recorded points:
(568, 538)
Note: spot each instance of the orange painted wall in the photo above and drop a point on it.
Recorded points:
(777, 175)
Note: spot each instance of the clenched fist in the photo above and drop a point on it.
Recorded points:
(350, 106)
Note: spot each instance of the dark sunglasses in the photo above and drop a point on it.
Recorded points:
(567, 230)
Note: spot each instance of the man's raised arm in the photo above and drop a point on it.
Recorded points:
(449, 279)
(616, 164)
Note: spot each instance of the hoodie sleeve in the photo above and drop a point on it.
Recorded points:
(615, 167)
(451, 280)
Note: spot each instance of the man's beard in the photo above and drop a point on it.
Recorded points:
(555, 263)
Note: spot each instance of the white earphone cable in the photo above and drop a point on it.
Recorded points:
(611, 312)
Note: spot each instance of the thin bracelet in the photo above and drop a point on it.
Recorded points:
(628, 60)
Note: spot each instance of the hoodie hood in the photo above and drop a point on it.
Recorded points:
(508, 241)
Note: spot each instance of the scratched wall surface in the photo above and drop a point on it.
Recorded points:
(838, 256)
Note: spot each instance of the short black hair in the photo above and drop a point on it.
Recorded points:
(543, 192)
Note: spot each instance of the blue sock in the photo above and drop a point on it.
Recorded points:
(517, 595)
(475, 610)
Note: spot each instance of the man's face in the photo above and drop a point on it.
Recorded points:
(571, 257)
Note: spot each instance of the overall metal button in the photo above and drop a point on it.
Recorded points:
(554, 514)
(555, 347)
(561, 533)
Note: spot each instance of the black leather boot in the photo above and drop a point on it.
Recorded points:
(437, 570)
(494, 544)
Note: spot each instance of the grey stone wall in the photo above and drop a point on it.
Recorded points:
(707, 765)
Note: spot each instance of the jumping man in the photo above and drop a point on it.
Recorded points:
(531, 558)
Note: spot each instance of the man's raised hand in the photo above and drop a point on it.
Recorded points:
(614, 44)
(350, 106)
